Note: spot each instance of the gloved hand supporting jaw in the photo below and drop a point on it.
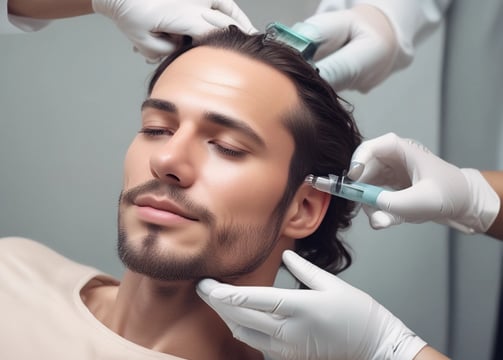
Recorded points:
(364, 41)
(155, 26)
(333, 321)
(430, 189)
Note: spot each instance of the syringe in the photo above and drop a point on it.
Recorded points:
(348, 189)
(367, 194)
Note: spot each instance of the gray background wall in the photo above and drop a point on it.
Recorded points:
(69, 105)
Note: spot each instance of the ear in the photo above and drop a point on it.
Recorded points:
(306, 212)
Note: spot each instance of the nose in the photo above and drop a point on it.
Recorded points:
(175, 161)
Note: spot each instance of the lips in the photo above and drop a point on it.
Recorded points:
(163, 205)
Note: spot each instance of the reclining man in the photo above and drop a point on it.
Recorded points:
(213, 187)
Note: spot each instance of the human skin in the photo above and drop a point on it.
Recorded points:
(184, 151)
(495, 179)
(50, 9)
(429, 353)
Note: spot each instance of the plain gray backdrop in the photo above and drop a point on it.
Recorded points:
(70, 99)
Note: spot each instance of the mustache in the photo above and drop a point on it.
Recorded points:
(170, 191)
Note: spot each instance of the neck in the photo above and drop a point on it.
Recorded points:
(170, 317)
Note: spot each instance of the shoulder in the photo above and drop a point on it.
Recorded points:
(18, 242)
(25, 248)
(26, 257)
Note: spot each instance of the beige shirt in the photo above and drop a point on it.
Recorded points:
(42, 315)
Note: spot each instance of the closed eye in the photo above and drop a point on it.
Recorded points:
(227, 151)
(223, 150)
(155, 131)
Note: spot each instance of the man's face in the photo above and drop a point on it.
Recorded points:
(206, 173)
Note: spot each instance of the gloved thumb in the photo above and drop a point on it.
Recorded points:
(157, 45)
(308, 273)
(330, 31)
(205, 287)
(219, 21)
(310, 31)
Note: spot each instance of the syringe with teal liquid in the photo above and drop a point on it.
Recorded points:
(363, 193)
(348, 189)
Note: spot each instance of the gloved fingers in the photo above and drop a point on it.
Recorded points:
(384, 146)
(308, 273)
(282, 302)
(353, 53)
(311, 31)
(338, 70)
(204, 288)
(273, 347)
(219, 20)
(150, 57)
(267, 333)
(379, 160)
(457, 225)
(417, 203)
(270, 346)
(237, 318)
(231, 9)
(365, 164)
(254, 338)
(380, 173)
(156, 47)
(329, 30)
(330, 5)
(379, 219)
(350, 52)
(183, 25)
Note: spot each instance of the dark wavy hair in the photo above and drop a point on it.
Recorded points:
(322, 127)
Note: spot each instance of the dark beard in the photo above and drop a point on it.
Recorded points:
(234, 239)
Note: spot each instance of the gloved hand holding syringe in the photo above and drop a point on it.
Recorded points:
(419, 187)
(366, 194)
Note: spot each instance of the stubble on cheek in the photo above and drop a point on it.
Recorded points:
(242, 248)
(230, 250)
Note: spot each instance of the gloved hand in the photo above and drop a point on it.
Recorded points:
(364, 41)
(155, 26)
(433, 190)
(358, 47)
(333, 321)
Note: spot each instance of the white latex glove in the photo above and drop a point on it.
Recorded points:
(333, 321)
(155, 26)
(364, 41)
(433, 190)
(358, 47)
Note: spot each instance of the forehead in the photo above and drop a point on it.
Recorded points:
(213, 79)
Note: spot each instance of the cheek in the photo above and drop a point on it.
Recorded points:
(136, 165)
(249, 192)
(251, 195)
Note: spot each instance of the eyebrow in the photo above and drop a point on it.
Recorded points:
(216, 118)
(158, 104)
